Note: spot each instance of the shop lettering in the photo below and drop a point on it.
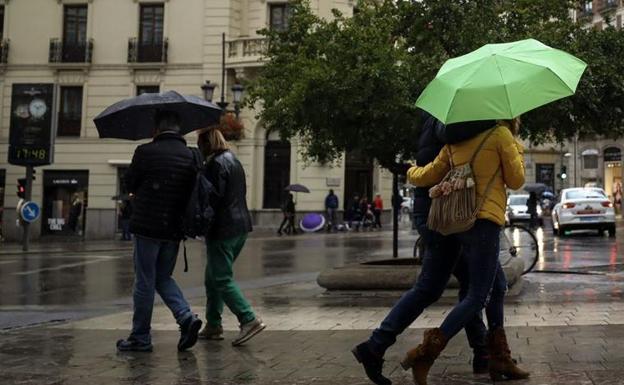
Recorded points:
(64, 181)
(56, 224)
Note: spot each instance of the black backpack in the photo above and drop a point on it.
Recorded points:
(198, 215)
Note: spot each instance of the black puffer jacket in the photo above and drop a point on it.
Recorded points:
(229, 200)
(161, 177)
(434, 135)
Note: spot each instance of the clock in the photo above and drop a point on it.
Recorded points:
(37, 108)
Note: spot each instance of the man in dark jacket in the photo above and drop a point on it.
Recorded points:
(232, 224)
(160, 177)
(331, 205)
(442, 257)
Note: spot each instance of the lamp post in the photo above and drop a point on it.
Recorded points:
(208, 88)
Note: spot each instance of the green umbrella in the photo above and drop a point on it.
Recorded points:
(501, 81)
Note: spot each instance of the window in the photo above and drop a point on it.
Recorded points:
(140, 90)
(151, 33)
(75, 33)
(590, 159)
(70, 114)
(276, 172)
(278, 16)
(588, 7)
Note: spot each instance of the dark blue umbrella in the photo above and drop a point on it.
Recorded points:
(297, 188)
(133, 118)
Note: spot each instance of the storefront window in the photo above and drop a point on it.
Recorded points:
(65, 199)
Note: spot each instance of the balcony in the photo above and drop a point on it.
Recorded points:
(4, 51)
(78, 53)
(245, 52)
(147, 53)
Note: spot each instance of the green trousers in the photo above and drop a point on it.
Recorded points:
(219, 281)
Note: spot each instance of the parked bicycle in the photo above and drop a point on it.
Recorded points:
(515, 242)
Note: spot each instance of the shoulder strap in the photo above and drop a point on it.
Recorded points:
(487, 191)
(474, 155)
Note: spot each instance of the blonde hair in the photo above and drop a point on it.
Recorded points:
(211, 140)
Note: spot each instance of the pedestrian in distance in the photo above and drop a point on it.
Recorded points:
(75, 212)
(224, 243)
(124, 218)
(354, 213)
(377, 210)
(441, 259)
(496, 160)
(331, 205)
(532, 203)
(288, 210)
(160, 177)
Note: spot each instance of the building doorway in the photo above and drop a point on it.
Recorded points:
(65, 201)
(612, 157)
(276, 172)
(358, 177)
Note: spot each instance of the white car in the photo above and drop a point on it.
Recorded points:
(583, 209)
(518, 211)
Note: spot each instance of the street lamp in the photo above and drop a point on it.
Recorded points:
(237, 89)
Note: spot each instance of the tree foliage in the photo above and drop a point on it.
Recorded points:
(350, 83)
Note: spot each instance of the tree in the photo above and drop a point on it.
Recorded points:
(351, 82)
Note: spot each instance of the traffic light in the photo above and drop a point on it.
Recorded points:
(21, 188)
(564, 173)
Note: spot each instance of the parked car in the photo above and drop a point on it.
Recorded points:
(583, 209)
(407, 206)
(518, 211)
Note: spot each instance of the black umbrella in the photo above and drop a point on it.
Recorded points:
(537, 188)
(297, 188)
(133, 118)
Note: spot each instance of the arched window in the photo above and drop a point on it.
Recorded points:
(276, 171)
(590, 159)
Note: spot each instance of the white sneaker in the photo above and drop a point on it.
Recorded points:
(249, 330)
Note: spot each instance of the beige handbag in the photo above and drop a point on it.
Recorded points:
(454, 205)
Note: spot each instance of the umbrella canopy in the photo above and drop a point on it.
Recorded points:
(501, 81)
(133, 118)
(312, 222)
(297, 188)
(537, 188)
(548, 194)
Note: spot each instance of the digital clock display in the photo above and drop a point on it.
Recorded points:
(35, 154)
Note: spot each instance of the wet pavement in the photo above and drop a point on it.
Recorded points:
(62, 307)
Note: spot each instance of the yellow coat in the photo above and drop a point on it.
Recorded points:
(501, 149)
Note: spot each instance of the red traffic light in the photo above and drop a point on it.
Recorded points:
(21, 188)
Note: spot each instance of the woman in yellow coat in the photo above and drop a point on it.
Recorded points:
(500, 163)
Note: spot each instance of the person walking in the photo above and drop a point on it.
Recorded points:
(331, 205)
(354, 213)
(232, 224)
(288, 223)
(75, 212)
(124, 217)
(377, 210)
(532, 203)
(441, 259)
(160, 177)
(497, 163)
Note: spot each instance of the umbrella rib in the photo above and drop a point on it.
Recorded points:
(500, 73)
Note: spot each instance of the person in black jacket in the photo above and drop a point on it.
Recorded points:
(288, 209)
(160, 177)
(442, 257)
(231, 225)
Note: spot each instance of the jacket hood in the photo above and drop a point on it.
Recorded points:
(458, 132)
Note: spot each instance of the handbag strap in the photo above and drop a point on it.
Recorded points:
(485, 138)
(487, 191)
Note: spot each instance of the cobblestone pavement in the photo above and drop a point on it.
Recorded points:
(566, 326)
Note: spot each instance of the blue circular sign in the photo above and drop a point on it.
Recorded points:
(30, 211)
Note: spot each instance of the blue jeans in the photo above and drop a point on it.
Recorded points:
(487, 285)
(154, 261)
(441, 259)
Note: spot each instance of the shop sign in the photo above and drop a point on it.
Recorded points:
(31, 138)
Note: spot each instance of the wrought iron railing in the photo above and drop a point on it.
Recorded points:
(152, 52)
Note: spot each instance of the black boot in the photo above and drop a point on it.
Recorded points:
(480, 363)
(188, 332)
(373, 364)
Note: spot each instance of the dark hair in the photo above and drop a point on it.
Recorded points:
(167, 121)
(331, 191)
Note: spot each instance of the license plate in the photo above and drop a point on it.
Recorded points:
(589, 219)
(585, 212)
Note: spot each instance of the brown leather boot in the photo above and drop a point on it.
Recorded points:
(421, 358)
(501, 364)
